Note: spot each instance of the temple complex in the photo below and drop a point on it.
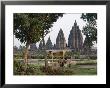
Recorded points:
(60, 40)
(75, 40)
(49, 45)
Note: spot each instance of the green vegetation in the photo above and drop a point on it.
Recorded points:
(89, 30)
(75, 55)
(59, 71)
(88, 62)
(84, 71)
(85, 67)
(93, 57)
(19, 69)
(32, 27)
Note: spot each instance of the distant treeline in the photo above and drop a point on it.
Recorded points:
(18, 56)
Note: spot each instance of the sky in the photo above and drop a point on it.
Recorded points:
(65, 23)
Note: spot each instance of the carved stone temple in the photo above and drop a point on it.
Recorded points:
(60, 40)
(49, 45)
(75, 39)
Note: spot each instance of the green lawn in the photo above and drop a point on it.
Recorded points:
(78, 69)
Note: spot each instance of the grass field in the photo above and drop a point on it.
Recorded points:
(88, 67)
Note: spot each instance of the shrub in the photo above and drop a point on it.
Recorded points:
(19, 68)
(30, 70)
(93, 57)
(58, 71)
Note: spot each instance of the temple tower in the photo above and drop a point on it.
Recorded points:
(60, 40)
(75, 40)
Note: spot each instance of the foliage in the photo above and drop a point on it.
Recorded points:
(21, 48)
(35, 69)
(69, 54)
(80, 70)
(93, 57)
(88, 62)
(31, 27)
(89, 17)
(77, 55)
(17, 56)
(90, 30)
(38, 57)
(18, 68)
(58, 71)
(85, 71)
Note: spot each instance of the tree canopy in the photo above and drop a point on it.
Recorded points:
(90, 29)
(31, 27)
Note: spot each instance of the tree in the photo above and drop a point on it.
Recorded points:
(32, 27)
(15, 49)
(90, 30)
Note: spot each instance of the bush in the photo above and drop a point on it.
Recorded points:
(93, 57)
(58, 71)
(19, 68)
(18, 56)
(30, 70)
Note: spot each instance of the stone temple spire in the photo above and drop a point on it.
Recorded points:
(75, 23)
(75, 40)
(60, 41)
(49, 45)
